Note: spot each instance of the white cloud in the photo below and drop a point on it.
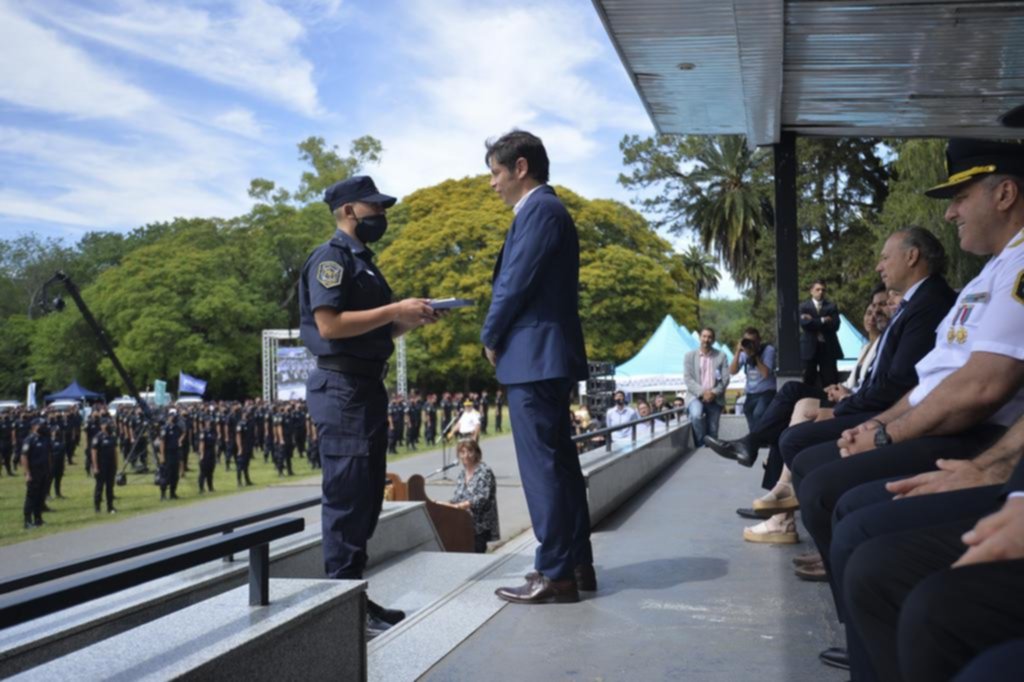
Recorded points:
(239, 121)
(104, 185)
(42, 72)
(476, 70)
(251, 47)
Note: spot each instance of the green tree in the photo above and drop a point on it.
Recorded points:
(445, 240)
(701, 266)
(920, 164)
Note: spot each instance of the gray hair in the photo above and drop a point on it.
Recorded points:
(929, 248)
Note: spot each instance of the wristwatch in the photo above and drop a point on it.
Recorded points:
(882, 437)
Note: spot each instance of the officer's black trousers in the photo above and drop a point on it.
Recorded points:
(868, 512)
(104, 482)
(821, 476)
(353, 495)
(35, 495)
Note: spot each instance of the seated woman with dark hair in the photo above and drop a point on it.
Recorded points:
(476, 490)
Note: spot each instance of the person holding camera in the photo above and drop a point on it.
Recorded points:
(757, 361)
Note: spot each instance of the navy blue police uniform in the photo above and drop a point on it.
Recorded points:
(345, 394)
(36, 449)
(104, 446)
(171, 436)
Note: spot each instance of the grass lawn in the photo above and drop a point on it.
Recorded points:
(140, 496)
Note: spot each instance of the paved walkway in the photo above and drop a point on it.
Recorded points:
(51, 549)
(681, 597)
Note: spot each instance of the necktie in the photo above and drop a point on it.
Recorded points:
(885, 337)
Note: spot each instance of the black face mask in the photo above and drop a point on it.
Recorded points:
(620, 402)
(371, 228)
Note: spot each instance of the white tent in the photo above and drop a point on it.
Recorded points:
(658, 366)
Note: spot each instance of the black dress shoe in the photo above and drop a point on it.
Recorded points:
(835, 657)
(541, 590)
(737, 450)
(586, 579)
(375, 626)
(748, 513)
(389, 616)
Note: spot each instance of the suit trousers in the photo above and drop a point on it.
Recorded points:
(821, 476)
(998, 664)
(868, 511)
(704, 417)
(773, 421)
(819, 367)
(549, 466)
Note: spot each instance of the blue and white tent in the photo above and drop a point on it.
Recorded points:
(851, 341)
(658, 366)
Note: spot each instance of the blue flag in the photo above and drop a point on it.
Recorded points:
(189, 384)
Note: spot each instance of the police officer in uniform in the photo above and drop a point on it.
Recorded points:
(6, 442)
(170, 457)
(35, 462)
(58, 450)
(246, 438)
(348, 321)
(103, 454)
(207, 453)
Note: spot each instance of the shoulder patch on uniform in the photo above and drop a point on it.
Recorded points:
(329, 273)
(1018, 288)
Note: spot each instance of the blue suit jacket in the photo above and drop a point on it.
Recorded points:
(533, 322)
(911, 337)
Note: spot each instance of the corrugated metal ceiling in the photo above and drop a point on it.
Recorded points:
(876, 67)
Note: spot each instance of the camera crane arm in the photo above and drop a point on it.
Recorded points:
(57, 303)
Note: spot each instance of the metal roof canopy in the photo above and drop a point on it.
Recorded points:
(893, 68)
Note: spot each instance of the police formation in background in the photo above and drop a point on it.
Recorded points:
(216, 432)
(348, 321)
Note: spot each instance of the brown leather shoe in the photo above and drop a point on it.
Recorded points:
(807, 558)
(814, 573)
(541, 590)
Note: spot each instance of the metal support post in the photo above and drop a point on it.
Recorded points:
(787, 234)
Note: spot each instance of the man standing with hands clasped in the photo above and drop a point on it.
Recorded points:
(819, 344)
(347, 320)
(533, 337)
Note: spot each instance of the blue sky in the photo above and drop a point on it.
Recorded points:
(119, 113)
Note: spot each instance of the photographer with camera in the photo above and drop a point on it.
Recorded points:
(757, 361)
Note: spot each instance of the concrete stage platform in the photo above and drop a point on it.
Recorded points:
(681, 597)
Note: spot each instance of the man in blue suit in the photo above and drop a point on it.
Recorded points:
(533, 336)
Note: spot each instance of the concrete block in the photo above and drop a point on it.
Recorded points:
(311, 628)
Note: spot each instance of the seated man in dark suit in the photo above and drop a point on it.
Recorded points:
(971, 385)
(819, 344)
(912, 260)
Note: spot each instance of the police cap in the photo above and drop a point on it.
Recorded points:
(357, 188)
(967, 160)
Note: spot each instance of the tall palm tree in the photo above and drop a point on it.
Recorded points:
(728, 201)
(701, 266)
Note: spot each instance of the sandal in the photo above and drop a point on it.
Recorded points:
(773, 532)
(772, 502)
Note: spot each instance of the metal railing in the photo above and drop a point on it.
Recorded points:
(677, 412)
(37, 577)
(41, 599)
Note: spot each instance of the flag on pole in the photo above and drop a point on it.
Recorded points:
(189, 384)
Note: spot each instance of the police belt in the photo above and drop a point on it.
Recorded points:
(373, 369)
